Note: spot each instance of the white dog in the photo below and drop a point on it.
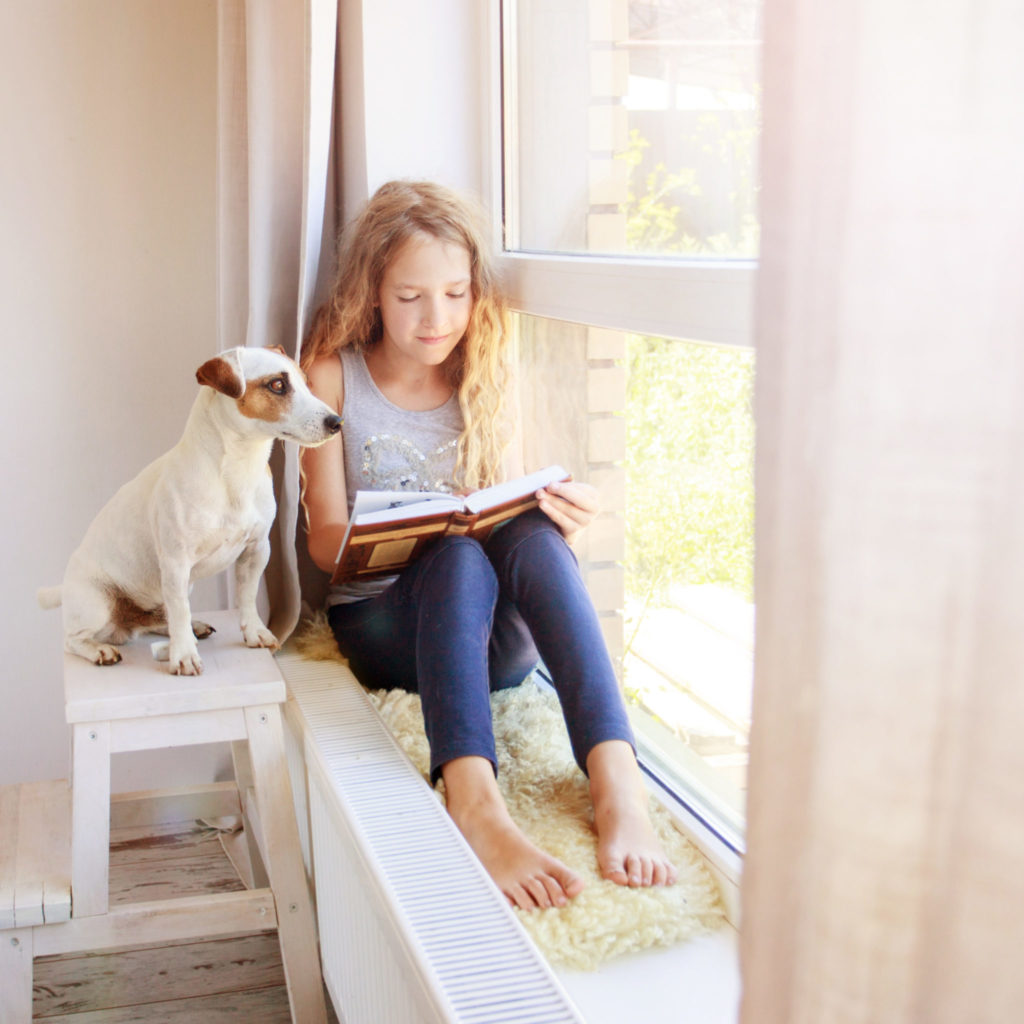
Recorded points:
(206, 504)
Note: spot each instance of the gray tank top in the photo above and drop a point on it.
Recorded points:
(390, 449)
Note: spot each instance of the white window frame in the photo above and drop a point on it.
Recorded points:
(689, 300)
(701, 300)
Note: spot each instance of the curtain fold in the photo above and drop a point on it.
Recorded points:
(275, 226)
(883, 882)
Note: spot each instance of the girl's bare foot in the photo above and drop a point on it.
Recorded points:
(628, 851)
(527, 876)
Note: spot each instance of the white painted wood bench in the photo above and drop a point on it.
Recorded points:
(55, 839)
(35, 881)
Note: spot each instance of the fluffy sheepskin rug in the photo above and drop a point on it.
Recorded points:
(548, 797)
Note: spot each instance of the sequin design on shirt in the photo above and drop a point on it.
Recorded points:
(393, 463)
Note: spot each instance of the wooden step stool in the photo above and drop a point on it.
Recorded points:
(55, 841)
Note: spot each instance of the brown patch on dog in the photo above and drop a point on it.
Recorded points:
(218, 374)
(267, 398)
(128, 617)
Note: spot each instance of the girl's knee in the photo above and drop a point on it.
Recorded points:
(531, 540)
(460, 560)
(457, 549)
(530, 526)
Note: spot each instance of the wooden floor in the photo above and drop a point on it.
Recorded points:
(229, 979)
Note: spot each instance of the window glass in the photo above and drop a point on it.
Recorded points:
(664, 430)
(689, 558)
(631, 127)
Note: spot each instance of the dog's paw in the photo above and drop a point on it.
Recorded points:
(201, 630)
(92, 650)
(187, 667)
(184, 660)
(259, 637)
(106, 654)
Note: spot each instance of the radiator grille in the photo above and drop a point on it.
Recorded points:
(411, 926)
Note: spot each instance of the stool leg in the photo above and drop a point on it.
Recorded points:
(90, 819)
(296, 928)
(246, 792)
(16, 976)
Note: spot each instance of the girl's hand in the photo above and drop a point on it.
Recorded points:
(569, 505)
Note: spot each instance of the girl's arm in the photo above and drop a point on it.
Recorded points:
(323, 469)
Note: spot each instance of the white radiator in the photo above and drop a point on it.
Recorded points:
(411, 927)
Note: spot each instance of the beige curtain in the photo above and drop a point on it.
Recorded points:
(884, 880)
(275, 210)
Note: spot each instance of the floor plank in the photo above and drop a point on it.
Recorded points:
(207, 872)
(262, 1006)
(74, 984)
(159, 842)
(227, 979)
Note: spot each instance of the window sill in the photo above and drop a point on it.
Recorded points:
(696, 982)
(722, 859)
(723, 862)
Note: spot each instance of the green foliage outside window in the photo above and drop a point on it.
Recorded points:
(668, 212)
(689, 418)
(690, 438)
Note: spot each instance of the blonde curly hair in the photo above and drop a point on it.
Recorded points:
(478, 368)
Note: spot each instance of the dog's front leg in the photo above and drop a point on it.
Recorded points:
(183, 654)
(248, 570)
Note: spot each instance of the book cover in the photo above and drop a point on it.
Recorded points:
(390, 529)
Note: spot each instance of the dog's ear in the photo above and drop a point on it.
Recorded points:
(223, 374)
(277, 348)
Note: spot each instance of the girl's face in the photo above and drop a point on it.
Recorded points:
(426, 300)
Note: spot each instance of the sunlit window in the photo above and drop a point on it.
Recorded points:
(636, 124)
(630, 133)
(689, 625)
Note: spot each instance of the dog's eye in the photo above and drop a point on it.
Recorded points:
(279, 385)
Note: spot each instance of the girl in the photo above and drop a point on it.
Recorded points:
(411, 350)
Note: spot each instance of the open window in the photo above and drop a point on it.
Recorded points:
(629, 199)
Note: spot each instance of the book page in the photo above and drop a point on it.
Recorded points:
(511, 489)
(389, 506)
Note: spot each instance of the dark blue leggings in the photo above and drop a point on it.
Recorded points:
(466, 619)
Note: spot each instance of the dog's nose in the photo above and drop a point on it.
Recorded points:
(332, 423)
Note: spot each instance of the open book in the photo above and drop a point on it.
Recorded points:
(389, 529)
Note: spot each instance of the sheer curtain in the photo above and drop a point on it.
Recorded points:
(884, 880)
(276, 66)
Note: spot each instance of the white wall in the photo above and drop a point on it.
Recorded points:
(413, 95)
(107, 302)
(108, 264)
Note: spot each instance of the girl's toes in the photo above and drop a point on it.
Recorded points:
(519, 897)
(634, 866)
(537, 891)
(614, 870)
(556, 892)
(648, 871)
(570, 883)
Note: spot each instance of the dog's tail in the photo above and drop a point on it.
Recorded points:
(49, 597)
